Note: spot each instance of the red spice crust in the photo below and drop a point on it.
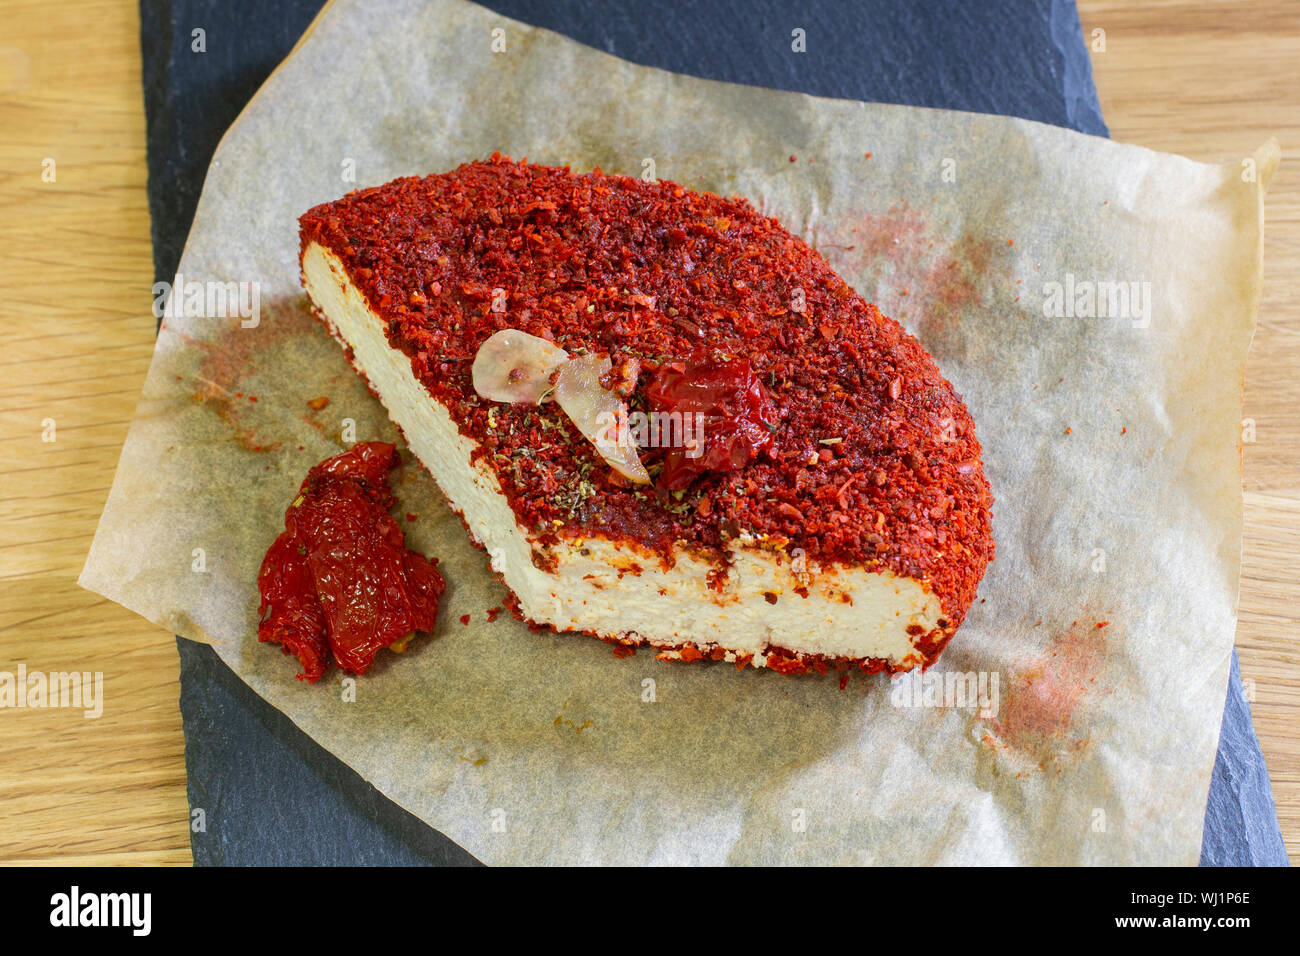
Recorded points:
(654, 270)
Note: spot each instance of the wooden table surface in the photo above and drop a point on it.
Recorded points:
(1208, 80)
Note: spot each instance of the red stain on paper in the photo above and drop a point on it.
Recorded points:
(229, 361)
(1037, 726)
(898, 236)
(926, 277)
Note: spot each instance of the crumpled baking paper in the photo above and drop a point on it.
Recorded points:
(1092, 301)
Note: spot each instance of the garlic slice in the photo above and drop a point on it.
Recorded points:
(513, 366)
(599, 414)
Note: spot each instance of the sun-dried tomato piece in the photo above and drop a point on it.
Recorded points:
(340, 579)
(738, 415)
(290, 614)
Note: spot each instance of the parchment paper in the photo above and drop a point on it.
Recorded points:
(1112, 445)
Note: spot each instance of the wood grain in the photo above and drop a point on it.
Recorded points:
(75, 294)
(1208, 80)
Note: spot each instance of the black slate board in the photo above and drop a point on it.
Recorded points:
(272, 795)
